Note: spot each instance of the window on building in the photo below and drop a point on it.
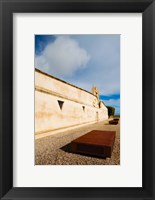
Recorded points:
(83, 108)
(60, 104)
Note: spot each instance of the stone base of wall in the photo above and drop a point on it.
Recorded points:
(53, 132)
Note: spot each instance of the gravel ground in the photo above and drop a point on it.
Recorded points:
(54, 149)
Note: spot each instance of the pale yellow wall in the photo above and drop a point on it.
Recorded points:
(49, 116)
(59, 88)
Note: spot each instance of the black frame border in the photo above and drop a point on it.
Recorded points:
(7, 8)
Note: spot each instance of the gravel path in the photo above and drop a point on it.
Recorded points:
(54, 149)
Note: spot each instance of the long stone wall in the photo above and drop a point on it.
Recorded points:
(60, 105)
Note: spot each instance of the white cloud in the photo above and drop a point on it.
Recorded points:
(62, 57)
(104, 66)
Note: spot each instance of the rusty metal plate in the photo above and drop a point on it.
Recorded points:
(115, 122)
(95, 143)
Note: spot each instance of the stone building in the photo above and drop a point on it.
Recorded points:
(59, 105)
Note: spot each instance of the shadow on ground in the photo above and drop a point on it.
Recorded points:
(67, 149)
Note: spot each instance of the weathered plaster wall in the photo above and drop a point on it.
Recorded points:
(60, 105)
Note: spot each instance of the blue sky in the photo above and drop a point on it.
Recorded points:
(83, 60)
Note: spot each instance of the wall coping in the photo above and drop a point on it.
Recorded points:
(37, 70)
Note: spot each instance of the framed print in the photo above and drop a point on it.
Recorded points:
(77, 99)
(62, 93)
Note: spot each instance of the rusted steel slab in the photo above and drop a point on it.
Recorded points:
(95, 143)
(115, 122)
(116, 119)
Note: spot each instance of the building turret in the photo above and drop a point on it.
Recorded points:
(95, 91)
